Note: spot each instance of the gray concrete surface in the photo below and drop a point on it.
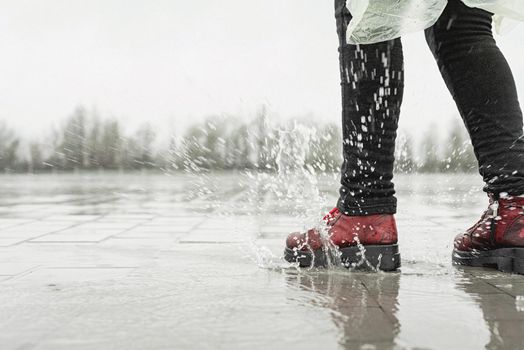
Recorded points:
(193, 262)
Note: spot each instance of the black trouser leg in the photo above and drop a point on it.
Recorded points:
(372, 81)
(481, 82)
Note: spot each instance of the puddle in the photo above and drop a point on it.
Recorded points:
(232, 278)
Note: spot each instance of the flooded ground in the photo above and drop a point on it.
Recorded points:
(177, 262)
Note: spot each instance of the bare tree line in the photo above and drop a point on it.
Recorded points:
(87, 142)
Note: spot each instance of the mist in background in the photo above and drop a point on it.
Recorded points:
(133, 84)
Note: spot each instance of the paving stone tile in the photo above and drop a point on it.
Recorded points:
(229, 223)
(506, 334)
(6, 222)
(5, 278)
(281, 230)
(134, 243)
(207, 236)
(513, 288)
(97, 225)
(55, 224)
(7, 242)
(74, 275)
(362, 328)
(154, 233)
(74, 218)
(495, 277)
(76, 235)
(159, 269)
(30, 231)
(380, 285)
(273, 235)
(126, 217)
(478, 286)
(172, 220)
(499, 307)
(15, 268)
(166, 228)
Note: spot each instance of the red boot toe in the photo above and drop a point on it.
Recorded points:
(310, 240)
(496, 240)
(371, 239)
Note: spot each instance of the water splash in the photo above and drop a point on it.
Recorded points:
(293, 188)
(292, 191)
(264, 257)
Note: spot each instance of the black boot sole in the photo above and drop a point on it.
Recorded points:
(377, 257)
(503, 259)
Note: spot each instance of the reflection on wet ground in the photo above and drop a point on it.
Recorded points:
(175, 262)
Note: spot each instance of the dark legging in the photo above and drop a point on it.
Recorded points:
(479, 79)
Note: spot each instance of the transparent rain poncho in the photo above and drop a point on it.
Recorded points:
(379, 20)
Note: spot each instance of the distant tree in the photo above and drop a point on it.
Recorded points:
(209, 146)
(36, 157)
(331, 136)
(127, 154)
(9, 145)
(53, 156)
(263, 137)
(193, 154)
(404, 156)
(431, 161)
(294, 146)
(325, 149)
(239, 149)
(172, 157)
(459, 154)
(141, 146)
(86, 141)
(73, 147)
(111, 143)
(215, 130)
(94, 143)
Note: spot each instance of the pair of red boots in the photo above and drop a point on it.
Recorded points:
(496, 240)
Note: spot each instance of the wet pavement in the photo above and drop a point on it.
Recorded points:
(178, 262)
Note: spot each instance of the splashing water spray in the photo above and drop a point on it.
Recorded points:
(292, 189)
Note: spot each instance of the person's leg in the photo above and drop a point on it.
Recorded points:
(480, 80)
(483, 87)
(372, 81)
(372, 88)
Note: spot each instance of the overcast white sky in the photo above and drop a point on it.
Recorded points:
(176, 61)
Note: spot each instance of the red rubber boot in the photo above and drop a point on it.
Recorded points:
(362, 241)
(496, 240)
